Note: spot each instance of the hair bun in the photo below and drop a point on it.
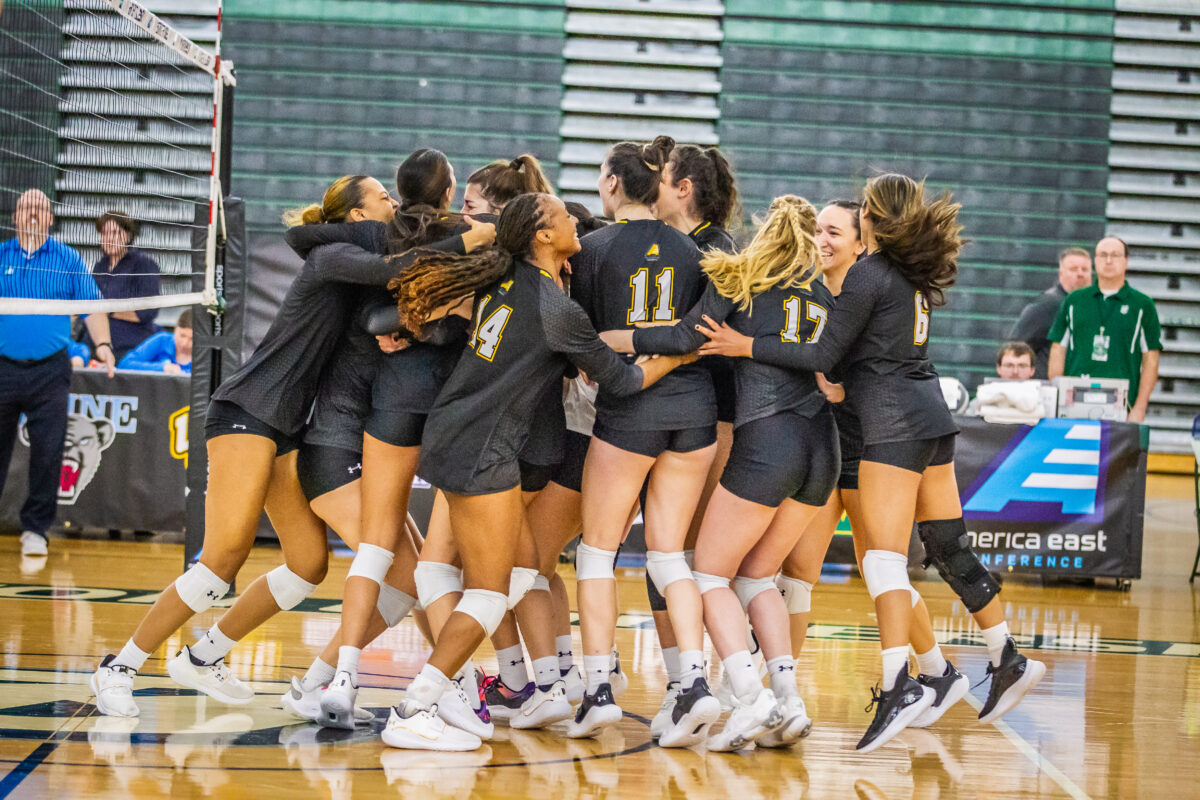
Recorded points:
(516, 163)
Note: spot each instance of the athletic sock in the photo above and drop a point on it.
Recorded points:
(614, 660)
(671, 659)
(318, 675)
(425, 690)
(691, 667)
(743, 677)
(131, 656)
(466, 679)
(348, 660)
(212, 647)
(545, 672)
(783, 676)
(932, 663)
(595, 671)
(566, 659)
(513, 671)
(894, 660)
(995, 638)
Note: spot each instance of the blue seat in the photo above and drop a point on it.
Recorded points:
(1196, 476)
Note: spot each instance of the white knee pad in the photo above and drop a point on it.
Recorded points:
(519, 582)
(371, 562)
(288, 588)
(393, 605)
(749, 588)
(200, 587)
(541, 584)
(666, 568)
(594, 563)
(707, 582)
(797, 594)
(435, 579)
(487, 608)
(885, 571)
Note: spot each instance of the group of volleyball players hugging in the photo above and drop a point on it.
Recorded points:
(551, 374)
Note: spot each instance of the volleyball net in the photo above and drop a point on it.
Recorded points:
(113, 141)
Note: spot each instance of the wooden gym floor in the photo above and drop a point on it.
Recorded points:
(1118, 715)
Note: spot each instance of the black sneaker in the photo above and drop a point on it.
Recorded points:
(948, 688)
(1011, 681)
(695, 711)
(894, 710)
(501, 701)
(595, 713)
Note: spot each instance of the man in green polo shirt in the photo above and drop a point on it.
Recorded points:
(1109, 330)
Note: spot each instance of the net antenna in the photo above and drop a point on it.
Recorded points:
(124, 85)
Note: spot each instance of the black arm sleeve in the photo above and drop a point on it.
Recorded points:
(379, 316)
(369, 235)
(847, 318)
(348, 263)
(683, 337)
(583, 273)
(446, 330)
(568, 331)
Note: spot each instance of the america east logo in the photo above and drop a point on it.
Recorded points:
(1051, 472)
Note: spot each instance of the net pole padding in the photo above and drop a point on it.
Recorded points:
(223, 72)
(28, 306)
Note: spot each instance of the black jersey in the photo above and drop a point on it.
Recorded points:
(878, 335)
(526, 333)
(793, 316)
(344, 392)
(278, 383)
(636, 271)
(710, 236)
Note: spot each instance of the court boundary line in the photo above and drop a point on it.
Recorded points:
(28, 765)
(1030, 752)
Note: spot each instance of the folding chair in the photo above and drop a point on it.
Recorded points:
(1196, 477)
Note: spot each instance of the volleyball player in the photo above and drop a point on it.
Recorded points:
(781, 469)
(697, 196)
(841, 244)
(526, 331)
(641, 269)
(252, 431)
(881, 330)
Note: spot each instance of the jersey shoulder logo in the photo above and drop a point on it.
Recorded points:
(1048, 473)
(504, 287)
(652, 253)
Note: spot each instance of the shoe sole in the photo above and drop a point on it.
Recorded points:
(693, 728)
(503, 713)
(406, 740)
(100, 705)
(792, 731)
(289, 705)
(472, 726)
(334, 714)
(657, 728)
(957, 692)
(1034, 672)
(607, 719)
(524, 723)
(183, 681)
(901, 722)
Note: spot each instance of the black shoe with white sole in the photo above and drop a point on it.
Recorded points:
(1011, 681)
(894, 708)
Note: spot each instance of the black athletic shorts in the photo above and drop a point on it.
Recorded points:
(655, 443)
(322, 469)
(724, 384)
(784, 455)
(534, 477)
(851, 454)
(225, 418)
(397, 428)
(914, 455)
(569, 473)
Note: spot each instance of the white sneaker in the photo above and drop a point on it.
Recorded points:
(796, 725)
(33, 544)
(543, 708)
(662, 720)
(307, 705)
(214, 680)
(694, 713)
(113, 686)
(595, 713)
(575, 685)
(724, 693)
(747, 722)
(423, 729)
(618, 681)
(337, 702)
(455, 709)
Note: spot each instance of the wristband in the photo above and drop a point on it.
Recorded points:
(104, 344)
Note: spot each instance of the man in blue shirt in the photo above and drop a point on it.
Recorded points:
(35, 371)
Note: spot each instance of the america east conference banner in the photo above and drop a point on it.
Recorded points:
(1064, 497)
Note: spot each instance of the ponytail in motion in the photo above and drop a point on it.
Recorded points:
(343, 196)
(782, 253)
(919, 236)
(436, 279)
(501, 181)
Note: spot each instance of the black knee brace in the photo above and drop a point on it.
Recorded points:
(657, 601)
(947, 548)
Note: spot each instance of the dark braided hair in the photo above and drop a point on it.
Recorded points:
(422, 182)
(920, 237)
(639, 166)
(435, 278)
(715, 198)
